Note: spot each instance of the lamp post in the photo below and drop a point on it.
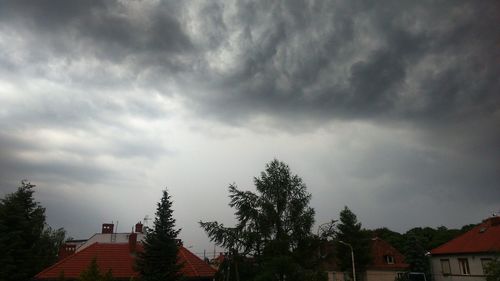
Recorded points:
(352, 258)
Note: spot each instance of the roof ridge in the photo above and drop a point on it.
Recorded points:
(479, 226)
(472, 241)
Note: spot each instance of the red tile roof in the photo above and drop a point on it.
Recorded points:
(117, 257)
(484, 238)
(381, 249)
(193, 265)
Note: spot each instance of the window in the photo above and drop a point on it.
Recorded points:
(463, 265)
(484, 263)
(445, 267)
(389, 259)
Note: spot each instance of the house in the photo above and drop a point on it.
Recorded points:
(387, 263)
(464, 258)
(116, 252)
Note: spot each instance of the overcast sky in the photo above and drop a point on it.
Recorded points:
(389, 107)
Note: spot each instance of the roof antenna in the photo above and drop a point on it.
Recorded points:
(146, 219)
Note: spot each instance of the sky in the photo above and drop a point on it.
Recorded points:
(391, 108)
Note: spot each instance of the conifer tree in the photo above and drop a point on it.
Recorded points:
(61, 276)
(108, 276)
(158, 261)
(92, 273)
(27, 243)
(349, 231)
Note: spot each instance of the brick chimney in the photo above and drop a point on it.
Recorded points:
(107, 228)
(66, 250)
(132, 242)
(493, 221)
(138, 227)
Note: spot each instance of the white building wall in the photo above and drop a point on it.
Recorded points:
(108, 238)
(381, 275)
(475, 266)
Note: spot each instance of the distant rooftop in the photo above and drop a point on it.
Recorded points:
(484, 238)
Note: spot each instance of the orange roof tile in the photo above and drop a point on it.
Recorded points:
(193, 265)
(117, 257)
(484, 238)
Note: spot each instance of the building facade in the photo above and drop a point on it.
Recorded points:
(116, 252)
(387, 263)
(465, 257)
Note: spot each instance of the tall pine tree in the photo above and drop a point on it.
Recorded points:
(349, 231)
(158, 261)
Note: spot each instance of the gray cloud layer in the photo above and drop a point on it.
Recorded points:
(86, 67)
(410, 60)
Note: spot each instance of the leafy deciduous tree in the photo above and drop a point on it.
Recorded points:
(492, 270)
(274, 225)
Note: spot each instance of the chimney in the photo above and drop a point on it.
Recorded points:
(132, 242)
(107, 228)
(66, 250)
(138, 227)
(494, 221)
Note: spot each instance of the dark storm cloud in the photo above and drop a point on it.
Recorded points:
(413, 61)
(430, 66)
(424, 66)
(323, 60)
(110, 31)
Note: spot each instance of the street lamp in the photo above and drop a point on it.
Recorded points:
(352, 258)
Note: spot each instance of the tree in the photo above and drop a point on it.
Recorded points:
(159, 261)
(349, 231)
(93, 273)
(415, 255)
(274, 226)
(394, 238)
(61, 276)
(27, 243)
(492, 270)
(108, 276)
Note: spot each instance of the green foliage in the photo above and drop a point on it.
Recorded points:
(61, 276)
(27, 243)
(416, 242)
(396, 239)
(159, 261)
(349, 231)
(274, 226)
(415, 255)
(108, 276)
(93, 273)
(492, 270)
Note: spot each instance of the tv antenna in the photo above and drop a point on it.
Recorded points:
(146, 219)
